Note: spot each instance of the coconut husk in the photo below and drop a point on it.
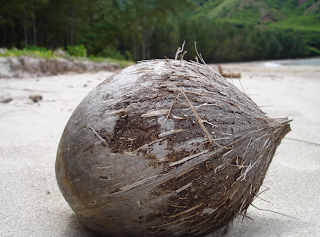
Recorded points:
(165, 148)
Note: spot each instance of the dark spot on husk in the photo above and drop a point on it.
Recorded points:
(131, 133)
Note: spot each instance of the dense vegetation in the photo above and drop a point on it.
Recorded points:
(229, 30)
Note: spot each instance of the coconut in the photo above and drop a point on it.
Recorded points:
(165, 148)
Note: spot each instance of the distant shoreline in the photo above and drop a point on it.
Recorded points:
(314, 61)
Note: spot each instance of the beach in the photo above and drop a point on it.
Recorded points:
(31, 203)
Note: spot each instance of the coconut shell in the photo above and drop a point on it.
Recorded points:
(165, 148)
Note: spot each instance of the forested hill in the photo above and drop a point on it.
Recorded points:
(225, 30)
(242, 30)
(287, 14)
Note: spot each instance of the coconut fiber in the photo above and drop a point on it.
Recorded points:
(165, 148)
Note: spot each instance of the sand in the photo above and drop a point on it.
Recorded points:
(32, 205)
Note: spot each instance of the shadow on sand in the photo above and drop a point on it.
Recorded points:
(240, 227)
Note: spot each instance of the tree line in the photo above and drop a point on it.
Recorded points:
(141, 29)
(223, 42)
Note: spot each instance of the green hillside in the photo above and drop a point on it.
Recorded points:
(289, 14)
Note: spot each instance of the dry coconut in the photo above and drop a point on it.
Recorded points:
(165, 148)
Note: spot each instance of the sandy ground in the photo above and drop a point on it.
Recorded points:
(32, 205)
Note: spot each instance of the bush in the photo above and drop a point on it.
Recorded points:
(314, 51)
(31, 51)
(111, 53)
(77, 51)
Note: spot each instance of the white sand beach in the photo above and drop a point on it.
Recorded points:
(31, 203)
